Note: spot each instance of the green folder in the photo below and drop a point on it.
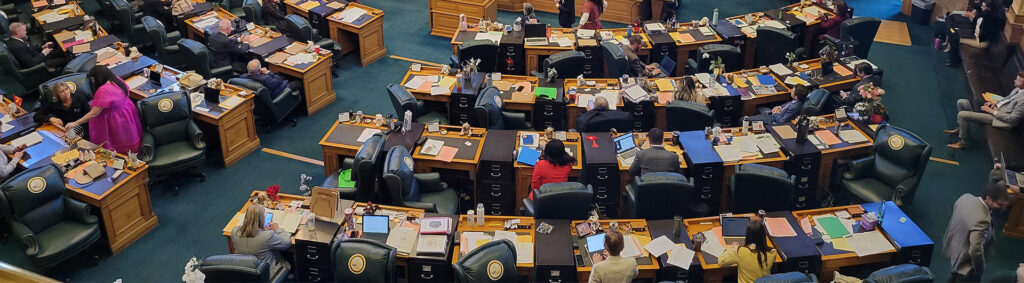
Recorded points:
(833, 227)
(546, 92)
(345, 179)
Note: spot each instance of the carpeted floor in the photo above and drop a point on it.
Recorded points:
(921, 94)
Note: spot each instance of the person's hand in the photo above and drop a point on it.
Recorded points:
(997, 165)
(18, 155)
(843, 94)
(57, 122)
(990, 104)
(48, 45)
(735, 244)
(987, 109)
(264, 70)
(20, 147)
(575, 28)
(272, 226)
(1014, 189)
(777, 110)
(46, 51)
(71, 125)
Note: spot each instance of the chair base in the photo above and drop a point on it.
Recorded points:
(178, 176)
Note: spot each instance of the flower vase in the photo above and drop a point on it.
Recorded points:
(718, 70)
(826, 67)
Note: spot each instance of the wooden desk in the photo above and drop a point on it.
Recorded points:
(832, 82)
(234, 129)
(750, 105)
(302, 7)
(618, 11)
(775, 159)
(285, 199)
(713, 271)
(641, 139)
(71, 10)
(572, 110)
(465, 160)
(70, 35)
(533, 52)
(196, 32)
(317, 81)
(833, 259)
(619, 34)
(369, 35)
(425, 95)
(341, 140)
(683, 48)
(497, 223)
(509, 81)
(840, 151)
(524, 172)
(444, 14)
(646, 271)
(1014, 227)
(403, 259)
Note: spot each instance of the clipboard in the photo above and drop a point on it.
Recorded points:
(324, 201)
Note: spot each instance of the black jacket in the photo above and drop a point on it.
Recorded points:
(274, 15)
(224, 49)
(567, 13)
(79, 106)
(601, 120)
(26, 54)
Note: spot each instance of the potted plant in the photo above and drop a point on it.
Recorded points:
(791, 59)
(717, 67)
(828, 56)
(870, 105)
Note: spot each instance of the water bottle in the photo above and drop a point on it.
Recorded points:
(714, 16)
(881, 213)
(677, 222)
(470, 218)
(479, 214)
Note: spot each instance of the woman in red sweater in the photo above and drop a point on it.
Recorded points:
(832, 24)
(552, 167)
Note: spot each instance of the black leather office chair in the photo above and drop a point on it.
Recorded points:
(80, 64)
(903, 273)
(167, 50)
(860, 32)
(494, 261)
(569, 201)
(614, 59)
(197, 57)
(485, 50)
(568, 64)
(362, 260)
(253, 11)
(892, 172)
(53, 226)
(238, 268)
(128, 24)
(367, 167)
(5, 31)
(491, 116)
(687, 116)
(780, 41)
(271, 108)
(403, 100)
(789, 277)
(424, 190)
(171, 141)
(83, 86)
(731, 57)
(233, 6)
(299, 29)
(756, 186)
(816, 103)
(28, 76)
(662, 195)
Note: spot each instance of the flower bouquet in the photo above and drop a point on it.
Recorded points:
(871, 102)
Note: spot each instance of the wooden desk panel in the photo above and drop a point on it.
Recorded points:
(1014, 227)
(317, 82)
(444, 14)
(369, 36)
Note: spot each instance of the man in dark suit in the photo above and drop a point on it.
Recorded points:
(655, 158)
(866, 73)
(600, 118)
(29, 55)
(227, 51)
(274, 83)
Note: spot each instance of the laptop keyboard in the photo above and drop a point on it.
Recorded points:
(536, 41)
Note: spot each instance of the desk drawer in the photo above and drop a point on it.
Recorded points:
(703, 173)
(314, 274)
(919, 255)
(495, 191)
(312, 253)
(501, 208)
(495, 171)
(429, 271)
(547, 113)
(458, 118)
(806, 200)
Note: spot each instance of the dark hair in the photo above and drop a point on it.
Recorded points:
(554, 152)
(997, 192)
(635, 39)
(600, 7)
(843, 9)
(801, 92)
(1020, 74)
(655, 136)
(864, 67)
(101, 75)
(756, 236)
(613, 242)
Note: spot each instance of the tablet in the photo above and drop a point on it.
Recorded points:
(375, 224)
(595, 243)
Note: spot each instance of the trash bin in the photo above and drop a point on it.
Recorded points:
(922, 11)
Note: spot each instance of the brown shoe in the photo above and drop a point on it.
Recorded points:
(957, 145)
(952, 132)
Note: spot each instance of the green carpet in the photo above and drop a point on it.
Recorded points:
(921, 92)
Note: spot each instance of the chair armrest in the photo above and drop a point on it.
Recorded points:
(79, 211)
(430, 182)
(421, 108)
(515, 120)
(224, 72)
(859, 168)
(800, 52)
(691, 64)
(196, 136)
(527, 209)
(630, 201)
(174, 36)
(829, 39)
(26, 236)
(148, 148)
(905, 188)
(172, 49)
(38, 68)
(428, 207)
(348, 163)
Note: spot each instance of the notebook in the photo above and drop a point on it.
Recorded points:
(528, 156)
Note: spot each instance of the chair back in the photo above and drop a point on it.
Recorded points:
(782, 42)
(485, 50)
(900, 160)
(166, 116)
(367, 168)
(197, 56)
(157, 34)
(253, 11)
(298, 28)
(231, 4)
(862, 30)
(82, 87)
(34, 198)
(614, 59)
(568, 200)
(756, 186)
(398, 176)
(9, 64)
(362, 260)
(789, 277)
(81, 64)
(234, 268)
(125, 17)
(903, 273)
(5, 31)
(494, 261)
(816, 102)
(730, 55)
(402, 99)
(488, 109)
(569, 64)
(263, 101)
(683, 115)
(663, 195)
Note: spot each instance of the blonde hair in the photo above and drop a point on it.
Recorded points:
(255, 215)
(687, 91)
(56, 90)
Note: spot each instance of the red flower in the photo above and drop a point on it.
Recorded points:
(272, 192)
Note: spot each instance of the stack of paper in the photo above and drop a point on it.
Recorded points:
(351, 14)
(28, 140)
(852, 136)
(402, 238)
(432, 244)
(869, 243)
(729, 152)
(712, 245)
(301, 58)
(471, 240)
(680, 256)
(779, 227)
(780, 70)
(432, 147)
(659, 246)
(492, 36)
(366, 134)
(794, 80)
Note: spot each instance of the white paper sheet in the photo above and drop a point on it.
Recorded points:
(780, 69)
(869, 243)
(524, 252)
(659, 246)
(711, 244)
(729, 152)
(366, 134)
(630, 247)
(680, 256)
(852, 136)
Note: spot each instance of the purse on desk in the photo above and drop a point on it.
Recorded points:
(191, 80)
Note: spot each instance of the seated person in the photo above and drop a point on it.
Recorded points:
(754, 259)
(553, 166)
(265, 243)
(274, 83)
(988, 25)
(66, 107)
(29, 55)
(1005, 114)
(609, 266)
(832, 24)
(273, 14)
(688, 91)
(528, 16)
(637, 68)
(7, 166)
(786, 112)
(225, 50)
(654, 158)
(996, 177)
(866, 74)
(600, 118)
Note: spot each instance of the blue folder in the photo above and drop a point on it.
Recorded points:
(766, 80)
(528, 156)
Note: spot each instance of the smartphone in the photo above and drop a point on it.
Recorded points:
(266, 220)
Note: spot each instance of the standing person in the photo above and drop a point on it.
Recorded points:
(609, 266)
(251, 237)
(832, 24)
(566, 12)
(754, 259)
(970, 232)
(113, 119)
(1005, 114)
(591, 18)
(552, 167)
(655, 158)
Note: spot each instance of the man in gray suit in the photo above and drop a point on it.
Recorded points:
(1005, 114)
(970, 231)
(655, 158)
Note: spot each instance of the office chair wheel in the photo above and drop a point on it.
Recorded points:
(202, 177)
(176, 190)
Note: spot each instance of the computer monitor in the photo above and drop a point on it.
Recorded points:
(624, 142)
(595, 243)
(375, 224)
(536, 30)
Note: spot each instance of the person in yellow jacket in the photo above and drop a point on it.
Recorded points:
(754, 259)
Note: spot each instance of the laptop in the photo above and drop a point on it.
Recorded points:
(375, 227)
(536, 34)
(625, 148)
(1012, 178)
(667, 65)
(595, 243)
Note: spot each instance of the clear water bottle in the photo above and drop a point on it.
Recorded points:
(470, 218)
(714, 16)
(480, 214)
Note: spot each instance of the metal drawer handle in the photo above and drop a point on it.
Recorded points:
(427, 275)
(806, 167)
(549, 113)
(555, 280)
(705, 196)
(497, 174)
(601, 196)
(803, 186)
(312, 256)
(707, 176)
(493, 194)
(463, 105)
(314, 270)
(915, 260)
(801, 204)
